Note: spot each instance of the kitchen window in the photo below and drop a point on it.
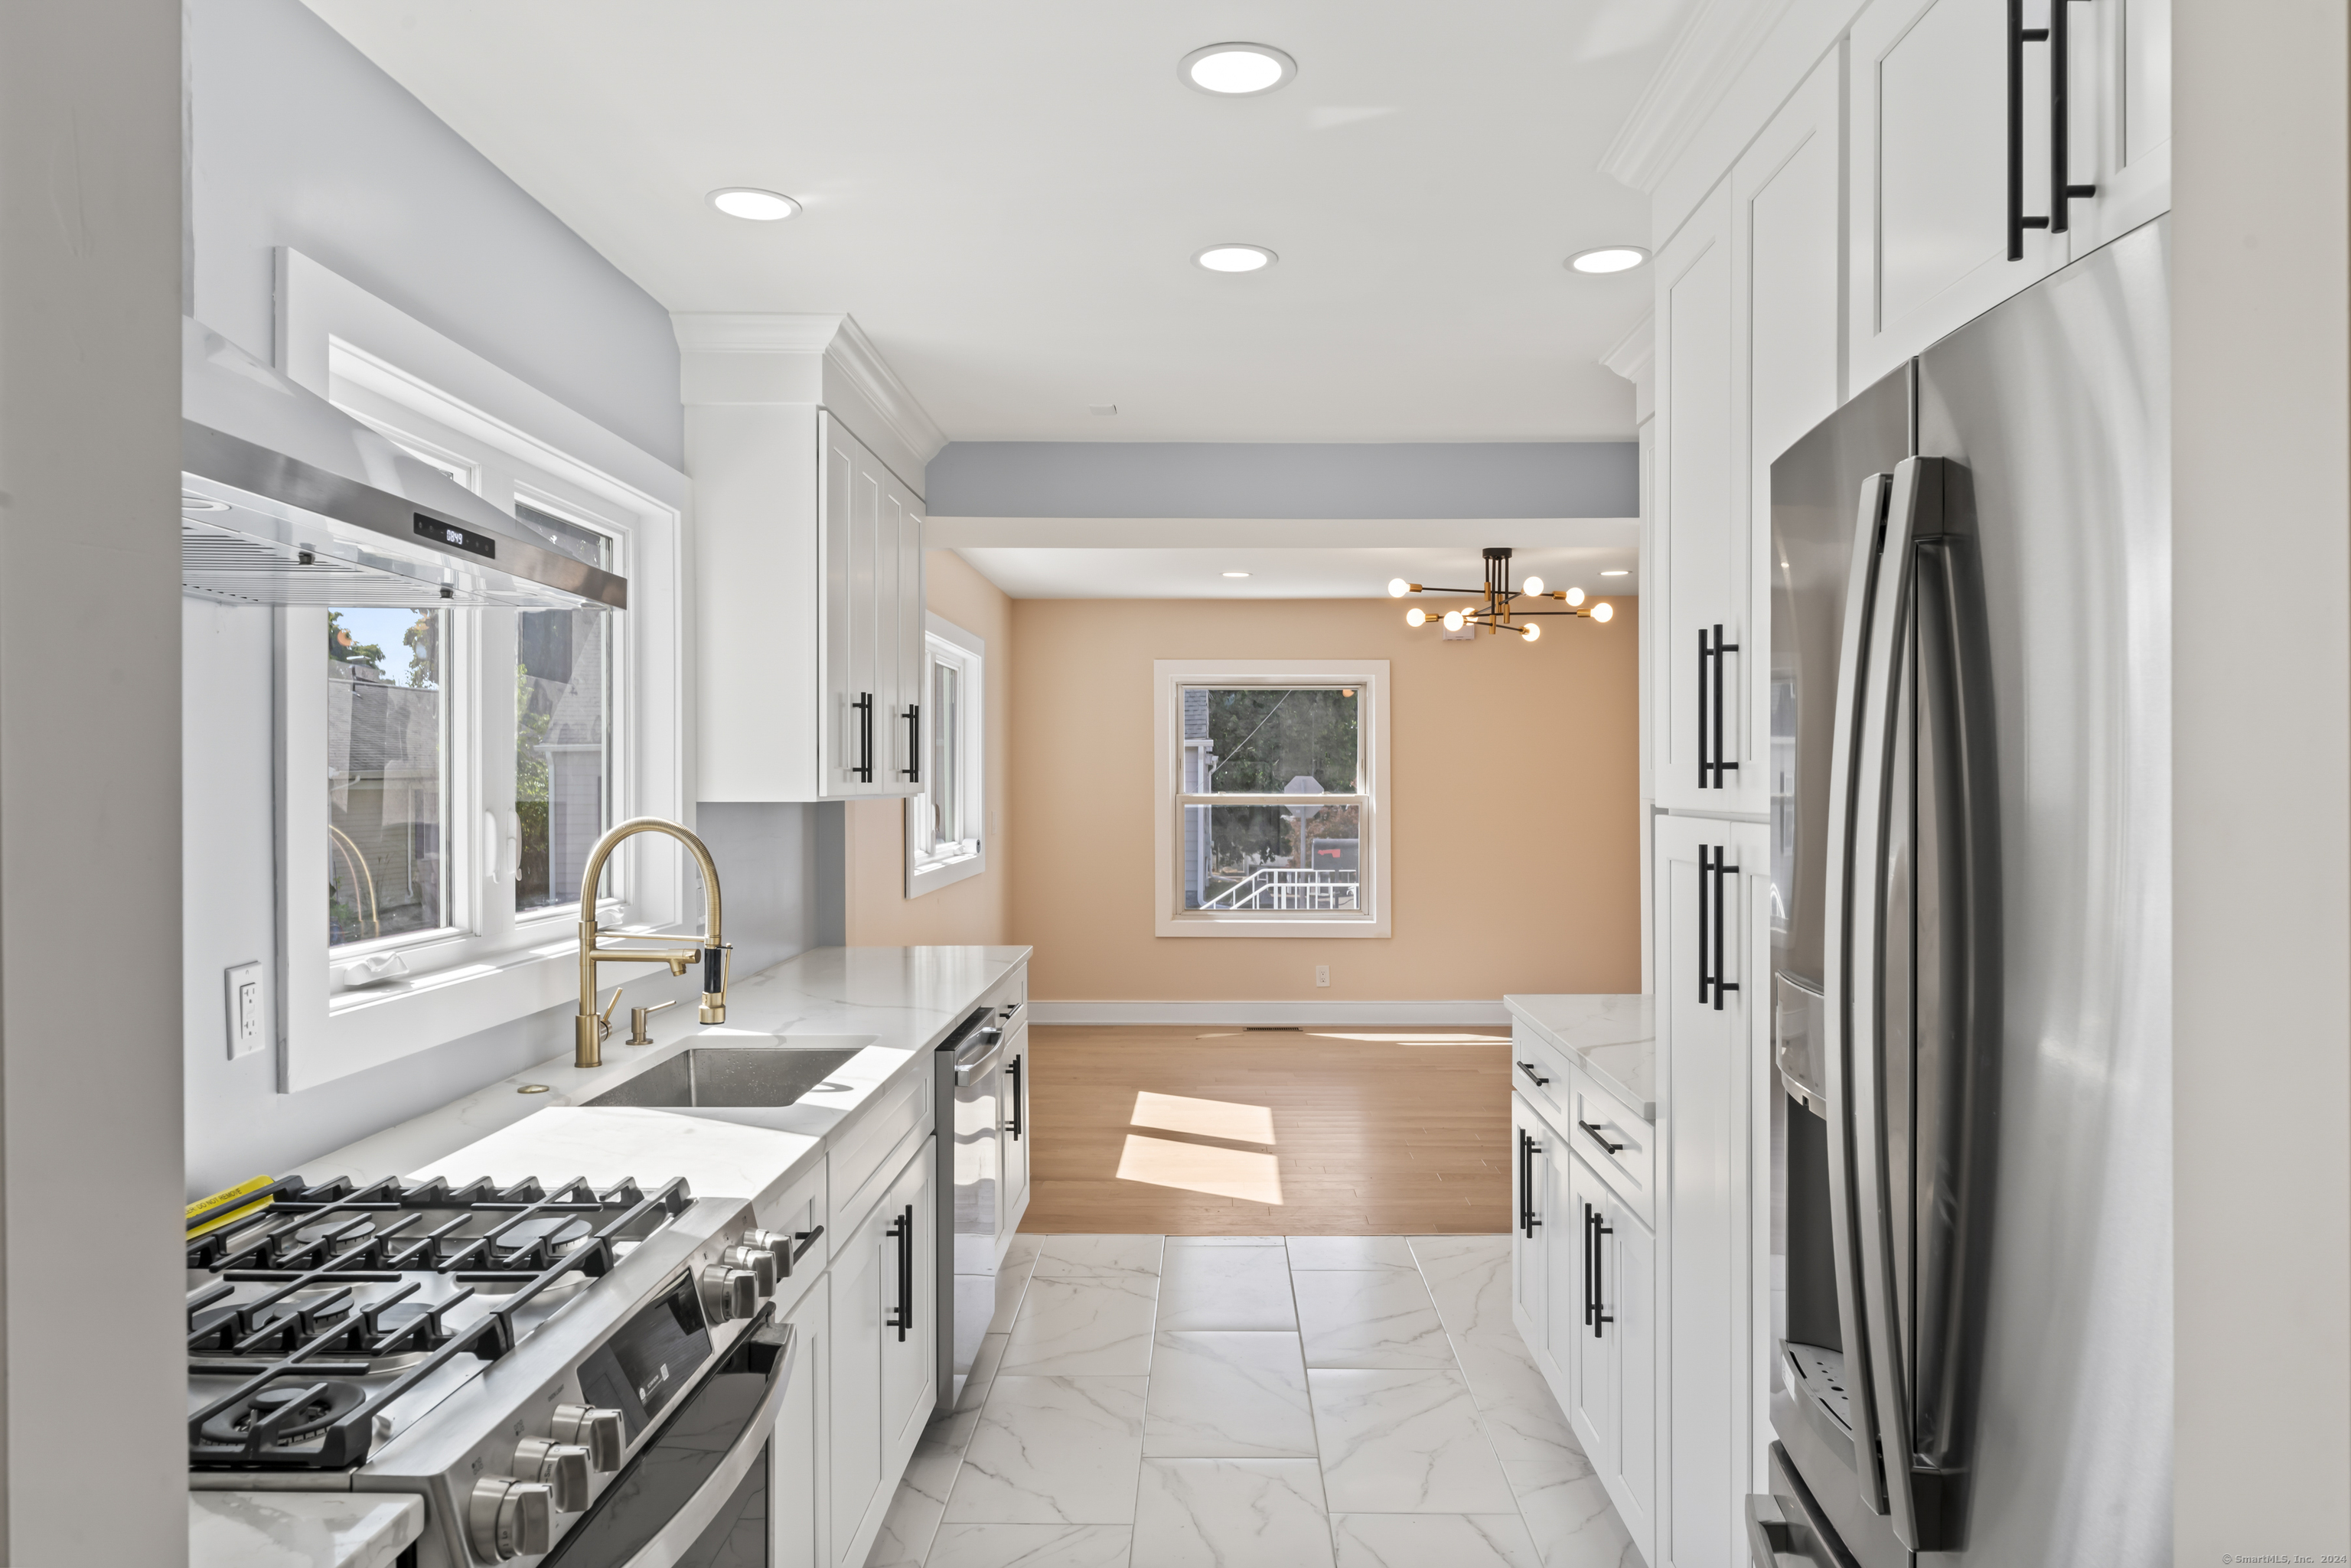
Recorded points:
(1270, 817)
(945, 842)
(471, 756)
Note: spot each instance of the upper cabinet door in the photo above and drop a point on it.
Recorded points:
(1935, 238)
(1698, 539)
(2118, 70)
(873, 596)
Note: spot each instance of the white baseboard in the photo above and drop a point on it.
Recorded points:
(1270, 1014)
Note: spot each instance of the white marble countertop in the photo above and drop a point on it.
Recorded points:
(300, 1529)
(895, 1003)
(1613, 1037)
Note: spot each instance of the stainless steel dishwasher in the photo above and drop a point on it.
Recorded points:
(970, 1090)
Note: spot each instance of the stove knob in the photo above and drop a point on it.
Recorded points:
(562, 1465)
(510, 1519)
(758, 1259)
(729, 1293)
(779, 1242)
(598, 1431)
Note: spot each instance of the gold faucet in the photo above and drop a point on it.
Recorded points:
(590, 1028)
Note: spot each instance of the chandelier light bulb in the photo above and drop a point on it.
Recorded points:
(1575, 596)
(1535, 586)
(1453, 622)
(1416, 616)
(1398, 588)
(1534, 633)
(1602, 613)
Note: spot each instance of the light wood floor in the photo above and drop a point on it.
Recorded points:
(1203, 1132)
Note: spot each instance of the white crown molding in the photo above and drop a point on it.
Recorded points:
(1278, 1015)
(1635, 351)
(1713, 46)
(951, 532)
(844, 347)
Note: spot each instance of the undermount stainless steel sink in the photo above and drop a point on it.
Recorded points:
(732, 1077)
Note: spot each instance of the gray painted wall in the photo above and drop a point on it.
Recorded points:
(299, 141)
(1238, 479)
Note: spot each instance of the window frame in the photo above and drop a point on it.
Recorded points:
(491, 964)
(1169, 677)
(927, 871)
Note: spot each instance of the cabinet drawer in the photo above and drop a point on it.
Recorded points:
(862, 1160)
(1621, 1146)
(1539, 1071)
(1009, 994)
(802, 1210)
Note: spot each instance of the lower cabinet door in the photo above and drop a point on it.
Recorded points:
(863, 1280)
(1016, 1132)
(909, 1359)
(1564, 1259)
(800, 1483)
(1530, 1226)
(1633, 1282)
(1589, 1320)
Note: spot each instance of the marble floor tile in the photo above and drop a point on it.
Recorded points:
(1053, 1450)
(1228, 1395)
(983, 1368)
(1231, 1513)
(1011, 1281)
(1030, 1546)
(1096, 1326)
(1433, 1541)
(916, 1507)
(1063, 1256)
(1189, 1243)
(1469, 1278)
(1228, 1287)
(1521, 1414)
(1568, 1513)
(1350, 1253)
(1021, 1248)
(1403, 1441)
(1369, 1317)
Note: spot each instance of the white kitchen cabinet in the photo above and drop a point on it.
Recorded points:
(1532, 1142)
(1712, 976)
(2120, 98)
(1698, 601)
(883, 1384)
(807, 460)
(1016, 1132)
(800, 1505)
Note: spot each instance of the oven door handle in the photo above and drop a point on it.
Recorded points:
(967, 1074)
(677, 1537)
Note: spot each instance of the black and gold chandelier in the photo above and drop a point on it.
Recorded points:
(1500, 610)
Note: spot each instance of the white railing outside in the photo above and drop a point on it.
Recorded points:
(1287, 887)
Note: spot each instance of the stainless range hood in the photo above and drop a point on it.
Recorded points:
(286, 499)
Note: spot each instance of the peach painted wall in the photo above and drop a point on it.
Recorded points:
(978, 909)
(1514, 797)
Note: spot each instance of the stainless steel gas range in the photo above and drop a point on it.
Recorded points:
(565, 1375)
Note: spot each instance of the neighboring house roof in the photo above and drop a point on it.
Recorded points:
(1195, 714)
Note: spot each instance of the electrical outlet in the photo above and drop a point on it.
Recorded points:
(1321, 974)
(244, 1010)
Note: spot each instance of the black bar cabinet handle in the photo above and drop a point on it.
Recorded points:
(913, 768)
(2063, 193)
(2019, 34)
(1014, 1071)
(1705, 877)
(1599, 1136)
(902, 1230)
(1529, 1069)
(1601, 1315)
(1705, 652)
(1720, 648)
(863, 708)
(1587, 1266)
(1528, 1150)
(1722, 902)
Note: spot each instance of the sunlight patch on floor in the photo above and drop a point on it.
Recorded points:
(1204, 1118)
(1196, 1167)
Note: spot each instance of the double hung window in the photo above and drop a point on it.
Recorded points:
(944, 842)
(1271, 821)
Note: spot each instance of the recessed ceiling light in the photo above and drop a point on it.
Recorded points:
(1236, 70)
(1608, 258)
(1236, 258)
(759, 206)
(1236, 574)
(1620, 571)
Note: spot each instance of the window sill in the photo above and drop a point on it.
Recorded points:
(1193, 924)
(931, 876)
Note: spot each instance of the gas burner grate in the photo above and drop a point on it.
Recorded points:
(316, 1247)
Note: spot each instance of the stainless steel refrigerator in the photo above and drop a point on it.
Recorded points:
(1970, 874)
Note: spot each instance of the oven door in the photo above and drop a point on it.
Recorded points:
(696, 1495)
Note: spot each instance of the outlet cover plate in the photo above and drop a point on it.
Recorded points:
(247, 1010)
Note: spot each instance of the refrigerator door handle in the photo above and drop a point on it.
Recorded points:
(1837, 959)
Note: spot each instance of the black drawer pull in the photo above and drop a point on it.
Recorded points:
(1595, 1296)
(1014, 1128)
(1528, 1150)
(901, 1230)
(1529, 1069)
(1600, 1138)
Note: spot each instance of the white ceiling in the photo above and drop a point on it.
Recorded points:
(1192, 573)
(1006, 197)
